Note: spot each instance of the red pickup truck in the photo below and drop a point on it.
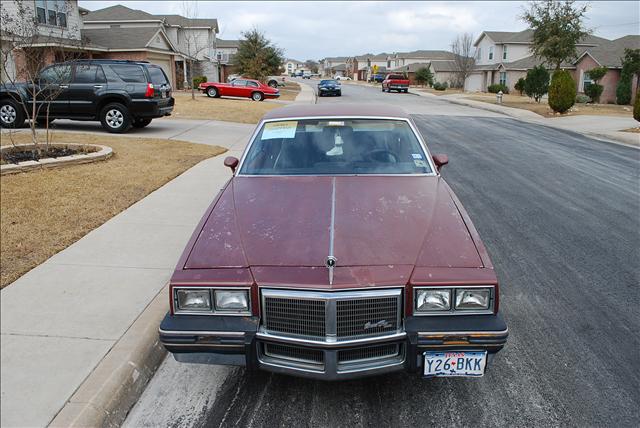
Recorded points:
(395, 82)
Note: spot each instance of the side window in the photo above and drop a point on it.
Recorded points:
(239, 82)
(157, 76)
(56, 75)
(89, 73)
(252, 84)
(129, 73)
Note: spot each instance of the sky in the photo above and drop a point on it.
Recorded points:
(314, 30)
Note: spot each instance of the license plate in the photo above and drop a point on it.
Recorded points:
(470, 364)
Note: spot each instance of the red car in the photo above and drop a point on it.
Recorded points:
(395, 82)
(246, 88)
(336, 250)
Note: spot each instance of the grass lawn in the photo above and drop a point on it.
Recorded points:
(241, 110)
(45, 211)
(447, 91)
(543, 108)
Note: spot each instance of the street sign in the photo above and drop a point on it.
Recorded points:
(375, 69)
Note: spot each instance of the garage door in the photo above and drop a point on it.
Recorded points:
(165, 64)
(473, 83)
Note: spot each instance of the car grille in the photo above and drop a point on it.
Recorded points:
(294, 353)
(332, 315)
(367, 317)
(295, 316)
(369, 353)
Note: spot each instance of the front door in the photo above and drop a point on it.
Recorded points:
(52, 91)
(239, 88)
(88, 83)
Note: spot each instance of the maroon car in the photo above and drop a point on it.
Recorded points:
(336, 250)
(241, 87)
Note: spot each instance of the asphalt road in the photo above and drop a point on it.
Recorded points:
(560, 215)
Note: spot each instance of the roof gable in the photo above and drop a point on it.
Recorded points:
(128, 38)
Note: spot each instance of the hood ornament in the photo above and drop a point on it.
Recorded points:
(330, 263)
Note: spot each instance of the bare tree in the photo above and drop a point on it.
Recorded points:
(27, 47)
(461, 48)
(193, 45)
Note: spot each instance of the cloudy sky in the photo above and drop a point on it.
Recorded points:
(313, 30)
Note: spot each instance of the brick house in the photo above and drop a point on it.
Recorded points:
(328, 65)
(504, 57)
(171, 41)
(225, 52)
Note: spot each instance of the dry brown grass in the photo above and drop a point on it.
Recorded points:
(543, 108)
(447, 91)
(45, 211)
(228, 109)
(632, 130)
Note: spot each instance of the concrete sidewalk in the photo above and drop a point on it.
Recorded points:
(61, 319)
(606, 128)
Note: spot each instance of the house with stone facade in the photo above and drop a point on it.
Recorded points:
(331, 66)
(504, 57)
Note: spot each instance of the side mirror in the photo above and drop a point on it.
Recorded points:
(440, 160)
(231, 162)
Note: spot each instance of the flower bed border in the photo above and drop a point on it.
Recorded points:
(102, 153)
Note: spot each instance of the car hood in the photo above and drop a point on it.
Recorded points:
(377, 221)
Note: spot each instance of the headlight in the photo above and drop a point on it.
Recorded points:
(473, 298)
(232, 300)
(429, 299)
(194, 300)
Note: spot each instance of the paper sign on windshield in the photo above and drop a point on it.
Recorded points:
(279, 130)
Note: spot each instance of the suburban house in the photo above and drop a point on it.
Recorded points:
(58, 27)
(291, 66)
(331, 66)
(171, 41)
(442, 64)
(504, 57)
(225, 52)
(363, 66)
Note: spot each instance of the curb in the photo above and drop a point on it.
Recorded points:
(103, 153)
(107, 395)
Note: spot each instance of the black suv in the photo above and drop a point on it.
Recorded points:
(120, 94)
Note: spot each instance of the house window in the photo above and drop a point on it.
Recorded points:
(503, 78)
(504, 52)
(479, 54)
(586, 81)
(490, 52)
(51, 12)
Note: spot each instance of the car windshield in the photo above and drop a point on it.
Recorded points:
(335, 146)
(328, 82)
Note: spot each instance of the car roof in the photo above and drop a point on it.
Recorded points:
(336, 110)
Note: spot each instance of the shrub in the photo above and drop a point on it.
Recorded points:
(636, 107)
(519, 86)
(497, 87)
(198, 80)
(562, 91)
(623, 90)
(594, 91)
(424, 76)
(440, 86)
(582, 99)
(537, 83)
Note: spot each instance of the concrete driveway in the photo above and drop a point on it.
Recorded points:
(560, 215)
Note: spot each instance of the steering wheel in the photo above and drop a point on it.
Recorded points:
(382, 155)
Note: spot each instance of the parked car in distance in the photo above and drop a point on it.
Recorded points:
(119, 94)
(379, 78)
(329, 87)
(246, 88)
(338, 77)
(275, 81)
(395, 82)
(336, 250)
(306, 75)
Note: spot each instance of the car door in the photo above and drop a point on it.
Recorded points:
(238, 88)
(53, 90)
(88, 83)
